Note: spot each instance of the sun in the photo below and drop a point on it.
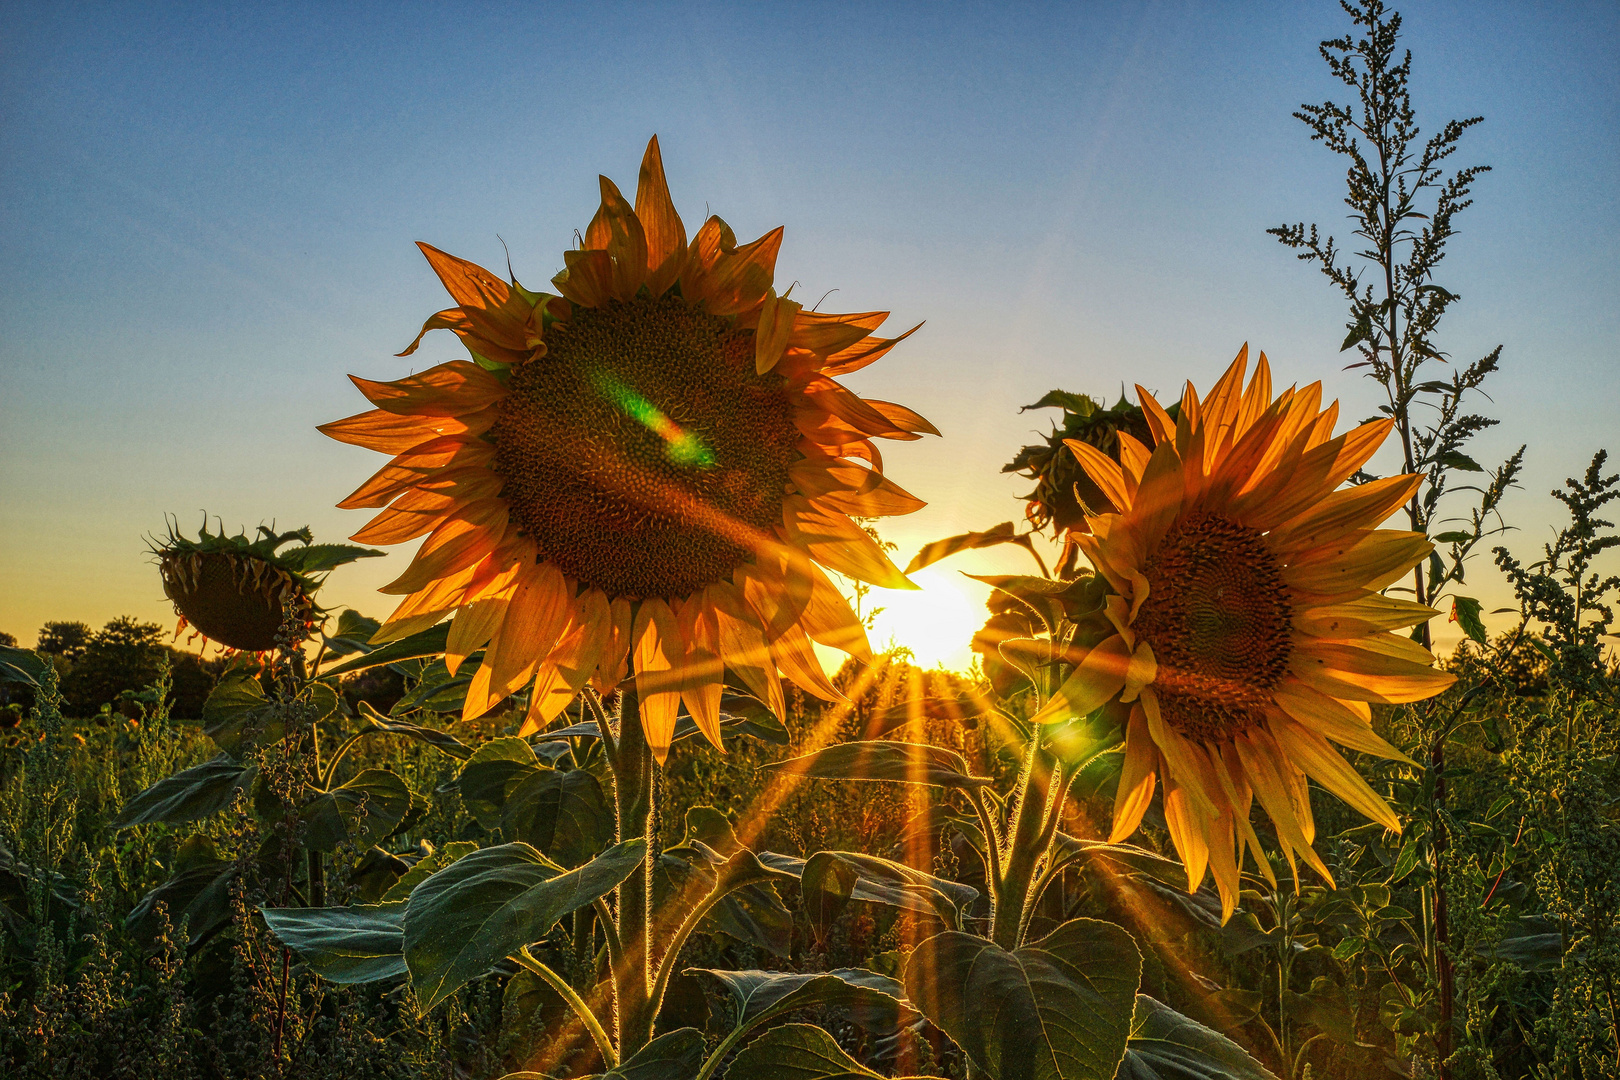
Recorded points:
(937, 622)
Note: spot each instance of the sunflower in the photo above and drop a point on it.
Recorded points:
(639, 474)
(1248, 626)
(248, 594)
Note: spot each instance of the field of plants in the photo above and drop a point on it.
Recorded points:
(1208, 805)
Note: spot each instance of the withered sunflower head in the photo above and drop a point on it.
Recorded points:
(1063, 493)
(248, 594)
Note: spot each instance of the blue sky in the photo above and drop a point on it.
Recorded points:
(207, 216)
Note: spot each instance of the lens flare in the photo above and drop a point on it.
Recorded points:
(684, 447)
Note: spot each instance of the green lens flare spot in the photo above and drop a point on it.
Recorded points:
(682, 447)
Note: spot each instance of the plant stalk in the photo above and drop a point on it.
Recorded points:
(575, 1002)
(1024, 849)
(633, 790)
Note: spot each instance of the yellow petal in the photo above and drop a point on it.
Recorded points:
(615, 662)
(1104, 471)
(836, 542)
(828, 619)
(1186, 825)
(474, 625)
(1376, 668)
(1143, 669)
(1324, 765)
(1136, 777)
(393, 433)
(1159, 423)
(578, 651)
(1256, 399)
(661, 225)
(701, 671)
(1365, 506)
(1223, 864)
(850, 489)
(1158, 497)
(1359, 561)
(456, 388)
(657, 658)
(417, 464)
(1183, 759)
(1276, 794)
(776, 316)
(1333, 718)
(616, 230)
(1093, 682)
(457, 544)
(1239, 795)
(1361, 615)
(403, 626)
(1118, 610)
(535, 617)
(797, 659)
(743, 648)
(1133, 459)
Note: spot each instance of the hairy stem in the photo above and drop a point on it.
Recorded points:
(633, 790)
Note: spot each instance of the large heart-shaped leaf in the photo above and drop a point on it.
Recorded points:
(493, 902)
(1165, 1045)
(797, 1052)
(189, 794)
(831, 879)
(23, 665)
(442, 741)
(1057, 1009)
(360, 811)
(875, 1001)
(750, 911)
(364, 943)
(563, 812)
(879, 759)
(676, 1055)
(353, 634)
(1068, 849)
(426, 867)
(429, 642)
(491, 774)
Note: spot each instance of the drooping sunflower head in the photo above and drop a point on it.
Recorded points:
(252, 595)
(1249, 623)
(1064, 494)
(638, 473)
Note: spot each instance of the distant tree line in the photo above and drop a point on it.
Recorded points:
(110, 665)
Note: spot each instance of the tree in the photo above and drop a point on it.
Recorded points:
(65, 639)
(123, 655)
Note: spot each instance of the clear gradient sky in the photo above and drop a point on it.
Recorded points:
(207, 215)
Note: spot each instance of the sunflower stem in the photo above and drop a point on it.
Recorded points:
(1024, 847)
(633, 789)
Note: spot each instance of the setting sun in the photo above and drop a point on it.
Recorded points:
(935, 623)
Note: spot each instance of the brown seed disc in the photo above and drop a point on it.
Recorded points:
(1217, 616)
(236, 602)
(642, 453)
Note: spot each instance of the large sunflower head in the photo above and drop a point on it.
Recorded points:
(1249, 629)
(637, 474)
